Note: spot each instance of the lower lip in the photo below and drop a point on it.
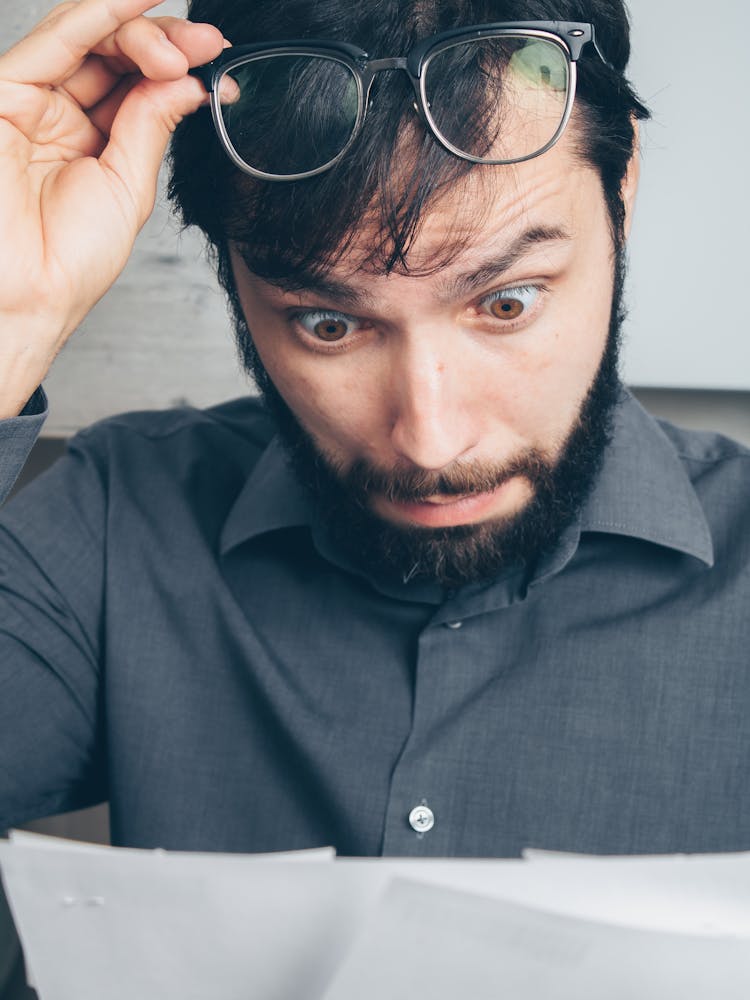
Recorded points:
(448, 513)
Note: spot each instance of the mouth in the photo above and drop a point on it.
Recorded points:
(442, 511)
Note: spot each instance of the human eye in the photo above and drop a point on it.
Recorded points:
(326, 326)
(512, 305)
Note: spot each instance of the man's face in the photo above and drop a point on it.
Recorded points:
(443, 402)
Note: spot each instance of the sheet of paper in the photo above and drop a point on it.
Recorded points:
(427, 941)
(125, 924)
(701, 894)
(37, 841)
(41, 842)
(102, 922)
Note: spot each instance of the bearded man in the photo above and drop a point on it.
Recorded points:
(444, 588)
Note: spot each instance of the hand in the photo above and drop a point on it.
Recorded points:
(88, 101)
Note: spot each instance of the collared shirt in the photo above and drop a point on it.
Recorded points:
(179, 636)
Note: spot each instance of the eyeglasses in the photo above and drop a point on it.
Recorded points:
(495, 93)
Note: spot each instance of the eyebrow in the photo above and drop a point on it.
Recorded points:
(458, 286)
(480, 277)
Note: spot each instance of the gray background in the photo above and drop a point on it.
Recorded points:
(688, 291)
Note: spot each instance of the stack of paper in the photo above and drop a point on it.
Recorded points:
(122, 924)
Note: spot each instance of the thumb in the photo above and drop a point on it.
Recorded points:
(140, 134)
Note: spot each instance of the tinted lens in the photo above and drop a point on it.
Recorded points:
(290, 114)
(499, 99)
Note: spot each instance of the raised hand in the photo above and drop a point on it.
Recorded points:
(88, 101)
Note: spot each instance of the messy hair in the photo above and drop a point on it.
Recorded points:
(394, 171)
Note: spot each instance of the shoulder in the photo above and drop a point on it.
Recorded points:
(709, 454)
(183, 466)
(238, 430)
(719, 470)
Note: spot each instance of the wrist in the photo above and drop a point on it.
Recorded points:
(23, 368)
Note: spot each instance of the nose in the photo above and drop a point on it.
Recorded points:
(433, 406)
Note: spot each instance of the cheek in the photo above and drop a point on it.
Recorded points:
(315, 393)
(541, 392)
(336, 406)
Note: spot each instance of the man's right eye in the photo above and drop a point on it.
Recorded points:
(327, 326)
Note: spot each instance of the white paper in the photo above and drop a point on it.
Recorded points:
(700, 894)
(427, 941)
(121, 924)
(101, 923)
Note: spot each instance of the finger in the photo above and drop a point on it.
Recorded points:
(141, 45)
(140, 133)
(100, 74)
(42, 125)
(199, 43)
(55, 14)
(55, 49)
(91, 83)
(161, 48)
(103, 114)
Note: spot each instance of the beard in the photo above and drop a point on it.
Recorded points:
(463, 554)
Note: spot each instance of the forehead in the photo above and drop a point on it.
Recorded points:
(489, 212)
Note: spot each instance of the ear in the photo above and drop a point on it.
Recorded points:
(631, 179)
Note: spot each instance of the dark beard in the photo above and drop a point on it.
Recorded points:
(463, 554)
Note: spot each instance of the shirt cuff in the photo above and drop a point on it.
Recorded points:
(17, 438)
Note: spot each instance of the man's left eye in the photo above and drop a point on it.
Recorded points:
(510, 303)
(326, 326)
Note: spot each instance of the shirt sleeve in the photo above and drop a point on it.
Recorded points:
(17, 438)
(51, 582)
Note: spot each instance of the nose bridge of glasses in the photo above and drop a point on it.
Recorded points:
(378, 65)
(375, 66)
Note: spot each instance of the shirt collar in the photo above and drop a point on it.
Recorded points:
(272, 498)
(643, 491)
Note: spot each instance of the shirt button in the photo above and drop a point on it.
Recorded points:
(421, 819)
(454, 624)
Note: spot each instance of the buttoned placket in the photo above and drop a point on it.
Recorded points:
(417, 821)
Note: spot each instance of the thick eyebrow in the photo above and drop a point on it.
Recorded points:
(479, 278)
(454, 288)
(325, 288)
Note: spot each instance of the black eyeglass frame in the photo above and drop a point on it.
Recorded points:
(570, 36)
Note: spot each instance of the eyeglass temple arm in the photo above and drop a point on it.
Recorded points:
(599, 52)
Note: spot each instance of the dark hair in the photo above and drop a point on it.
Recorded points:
(293, 228)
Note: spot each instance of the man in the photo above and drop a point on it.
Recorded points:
(449, 591)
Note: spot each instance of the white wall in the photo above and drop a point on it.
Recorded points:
(690, 249)
(161, 336)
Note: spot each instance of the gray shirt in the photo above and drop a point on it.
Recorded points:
(179, 636)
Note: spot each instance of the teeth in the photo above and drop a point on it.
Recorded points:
(442, 501)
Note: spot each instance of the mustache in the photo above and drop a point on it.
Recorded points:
(413, 484)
